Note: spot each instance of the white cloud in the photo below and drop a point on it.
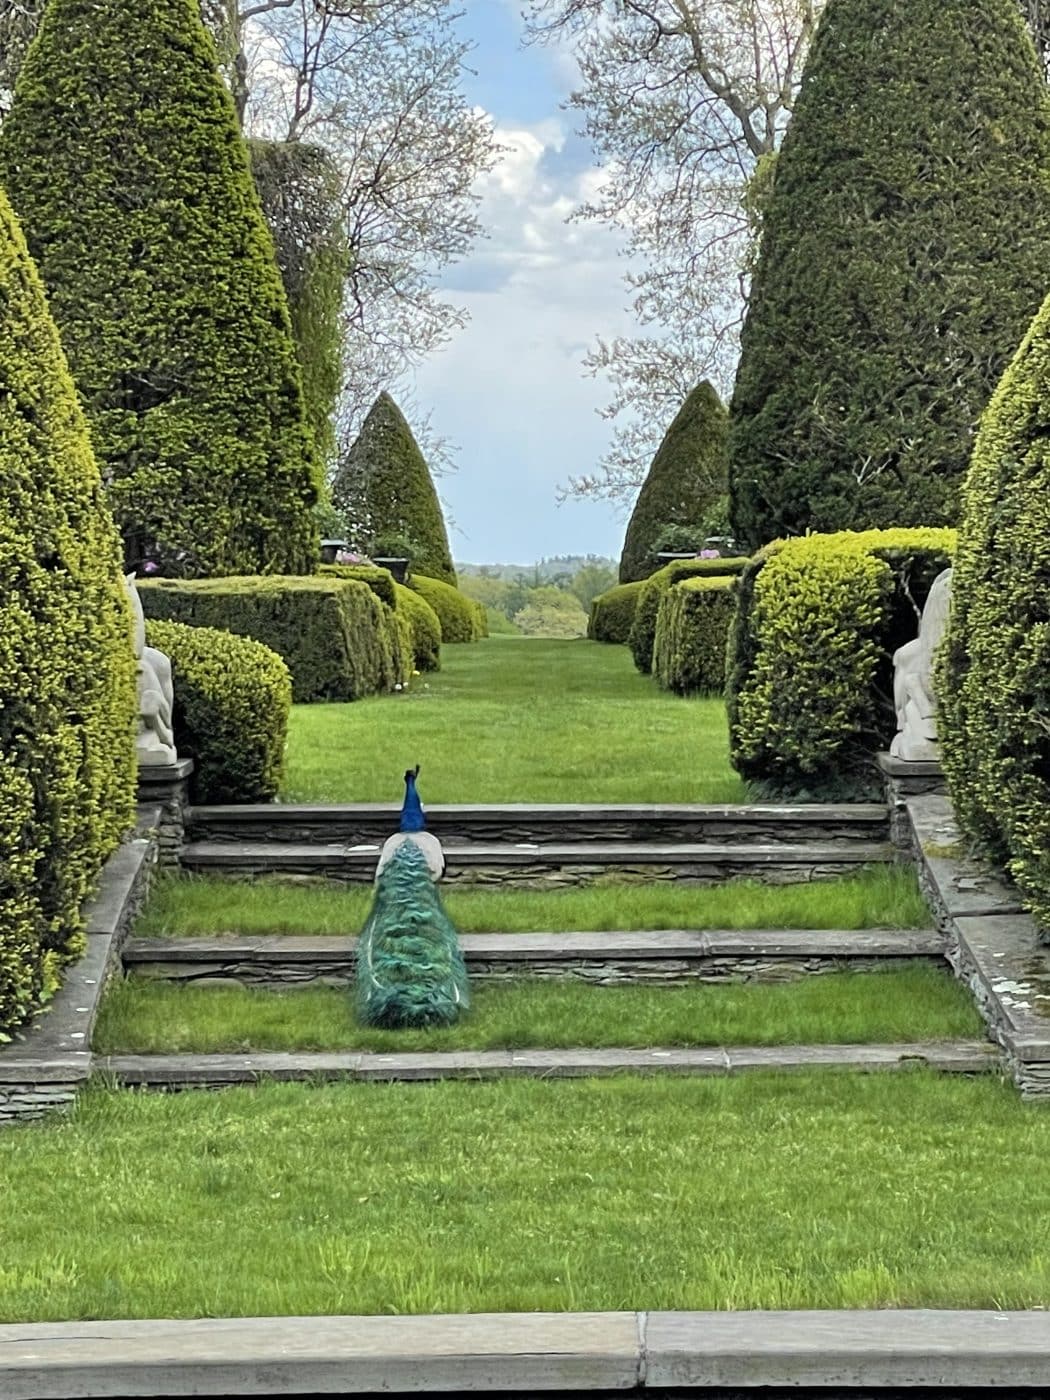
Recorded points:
(510, 390)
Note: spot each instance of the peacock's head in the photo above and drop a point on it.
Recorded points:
(412, 815)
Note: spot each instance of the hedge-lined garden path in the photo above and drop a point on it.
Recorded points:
(516, 719)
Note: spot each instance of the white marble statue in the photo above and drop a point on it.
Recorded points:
(155, 744)
(916, 738)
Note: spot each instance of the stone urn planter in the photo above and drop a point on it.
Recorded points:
(398, 566)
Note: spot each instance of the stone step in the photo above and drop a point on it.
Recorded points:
(223, 1071)
(355, 824)
(665, 955)
(895, 1351)
(546, 866)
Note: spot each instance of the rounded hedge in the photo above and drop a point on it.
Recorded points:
(122, 156)
(903, 254)
(685, 480)
(67, 669)
(692, 631)
(994, 668)
(425, 625)
(643, 629)
(232, 700)
(810, 675)
(612, 613)
(456, 612)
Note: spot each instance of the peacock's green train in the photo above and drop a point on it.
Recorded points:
(410, 969)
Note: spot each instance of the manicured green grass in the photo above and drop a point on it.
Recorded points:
(816, 1190)
(910, 1003)
(881, 897)
(517, 720)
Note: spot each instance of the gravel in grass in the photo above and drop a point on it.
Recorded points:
(909, 1004)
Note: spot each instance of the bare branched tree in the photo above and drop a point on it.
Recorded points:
(685, 102)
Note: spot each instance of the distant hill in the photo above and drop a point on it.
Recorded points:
(543, 570)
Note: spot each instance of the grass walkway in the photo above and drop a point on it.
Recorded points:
(512, 720)
(902, 1004)
(882, 897)
(801, 1191)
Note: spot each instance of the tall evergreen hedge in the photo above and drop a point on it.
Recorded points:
(67, 672)
(384, 487)
(904, 251)
(122, 158)
(994, 667)
(686, 478)
(300, 185)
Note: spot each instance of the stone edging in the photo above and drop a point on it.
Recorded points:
(665, 955)
(993, 945)
(526, 1353)
(42, 1068)
(224, 1071)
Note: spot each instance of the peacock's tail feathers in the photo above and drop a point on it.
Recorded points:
(410, 968)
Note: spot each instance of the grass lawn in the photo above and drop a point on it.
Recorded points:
(880, 897)
(792, 1191)
(901, 1004)
(512, 720)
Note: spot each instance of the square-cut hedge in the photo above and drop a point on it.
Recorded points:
(692, 629)
(232, 700)
(335, 635)
(612, 613)
(810, 679)
(643, 628)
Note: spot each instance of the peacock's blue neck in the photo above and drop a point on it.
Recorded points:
(412, 817)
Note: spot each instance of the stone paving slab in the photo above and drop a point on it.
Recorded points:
(321, 1355)
(527, 947)
(831, 1350)
(723, 1353)
(957, 885)
(216, 1071)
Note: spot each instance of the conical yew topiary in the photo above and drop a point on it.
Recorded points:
(67, 671)
(122, 158)
(686, 478)
(384, 487)
(904, 250)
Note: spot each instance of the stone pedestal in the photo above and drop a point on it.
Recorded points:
(903, 778)
(164, 790)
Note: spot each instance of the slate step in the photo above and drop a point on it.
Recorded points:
(665, 955)
(223, 1071)
(355, 824)
(546, 866)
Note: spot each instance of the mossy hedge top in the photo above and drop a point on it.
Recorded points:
(122, 158)
(904, 251)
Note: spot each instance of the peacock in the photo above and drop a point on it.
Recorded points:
(410, 969)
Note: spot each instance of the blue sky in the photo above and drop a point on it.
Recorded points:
(509, 391)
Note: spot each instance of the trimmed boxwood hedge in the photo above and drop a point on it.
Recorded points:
(993, 677)
(692, 630)
(460, 620)
(612, 613)
(810, 679)
(425, 625)
(335, 634)
(643, 628)
(232, 700)
(67, 669)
